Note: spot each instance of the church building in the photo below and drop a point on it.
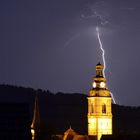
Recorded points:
(99, 106)
(35, 126)
(99, 113)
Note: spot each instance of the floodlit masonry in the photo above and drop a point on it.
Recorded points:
(99, 112)
(99, 106)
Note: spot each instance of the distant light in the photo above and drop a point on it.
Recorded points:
(33, 133)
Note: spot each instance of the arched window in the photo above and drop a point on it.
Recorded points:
(92, 108)
(104, 108)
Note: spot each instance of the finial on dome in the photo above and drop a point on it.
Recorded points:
(98, 64)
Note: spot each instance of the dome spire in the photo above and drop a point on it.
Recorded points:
(99, 70)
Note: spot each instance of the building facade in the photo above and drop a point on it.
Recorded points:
(99, 106)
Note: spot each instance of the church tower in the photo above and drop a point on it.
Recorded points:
(36, 120)
(99, 106)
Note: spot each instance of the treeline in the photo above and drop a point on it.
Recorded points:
(59, 111)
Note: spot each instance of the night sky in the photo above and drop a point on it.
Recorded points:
(52, 44)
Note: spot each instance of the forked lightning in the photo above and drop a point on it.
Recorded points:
(103, 56)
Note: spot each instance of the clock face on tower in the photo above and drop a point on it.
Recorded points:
(102, 84)
(94, 84)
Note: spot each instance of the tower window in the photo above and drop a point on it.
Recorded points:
(92, 108)
(104, 108)
(99, 73)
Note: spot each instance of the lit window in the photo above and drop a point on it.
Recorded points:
(103, 108)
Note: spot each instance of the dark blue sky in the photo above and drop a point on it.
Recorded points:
(52, 44)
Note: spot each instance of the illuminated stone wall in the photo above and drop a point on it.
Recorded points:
(99, 116)
(99, 106)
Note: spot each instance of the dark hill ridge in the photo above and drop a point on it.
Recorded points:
(59, 111)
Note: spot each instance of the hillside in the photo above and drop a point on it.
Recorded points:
(59, 111)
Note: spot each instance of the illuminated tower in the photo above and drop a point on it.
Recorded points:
(36, 121)
(99, 106)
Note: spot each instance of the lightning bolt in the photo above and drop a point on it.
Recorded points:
(103, 57)
(72, 39)
(113, 97)
(101, 47)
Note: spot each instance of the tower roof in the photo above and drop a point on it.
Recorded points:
(36, 116)
(70, 131)
(99, 70)
(98, 64)
(99, 83)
